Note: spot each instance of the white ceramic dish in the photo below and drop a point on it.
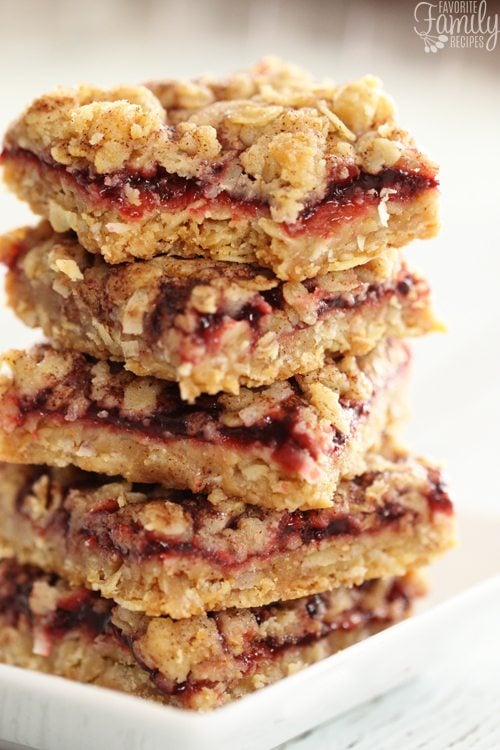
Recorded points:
(49, 713)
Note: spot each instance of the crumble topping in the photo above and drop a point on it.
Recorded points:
(211, 326)
(271, 134)
(214, 651)
(298, 411)
(144, 522)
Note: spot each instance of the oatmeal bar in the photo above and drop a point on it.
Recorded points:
(171, 552)
(199, 663)
(267, 166)
(208, 325)
(283, 446)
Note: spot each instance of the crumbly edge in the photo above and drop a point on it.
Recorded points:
(107, 666)
(204, 656)
(269, 134)
(222, 237)
(344, 409)
(149, 587)
(199, 467)
(114, 538)
(55, 284)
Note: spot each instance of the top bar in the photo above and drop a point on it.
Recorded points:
(267, 166)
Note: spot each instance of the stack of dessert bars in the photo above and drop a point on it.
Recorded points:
(201, 487)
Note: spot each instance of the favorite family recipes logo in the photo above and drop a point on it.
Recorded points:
(457, 24)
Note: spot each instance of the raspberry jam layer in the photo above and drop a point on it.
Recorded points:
(79, 609)
(107, 527)
(314, 614)
(173, 299)
(344, 200)
(281, 431)
(347, 200)
(284, 430)
(87, 614)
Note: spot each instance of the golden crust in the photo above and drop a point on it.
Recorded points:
(208, 325)
(270, 138)
(199, 663)
(165, 552)
(288, 131)
(283, 446)
(217, 233)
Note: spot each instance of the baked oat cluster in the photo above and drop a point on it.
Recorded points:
(267, 166)
(202, 488)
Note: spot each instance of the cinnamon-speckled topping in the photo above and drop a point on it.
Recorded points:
(217, 649)
(147, 521)
(199, 297)
(271, 136)
(211, 326)
(298, 419)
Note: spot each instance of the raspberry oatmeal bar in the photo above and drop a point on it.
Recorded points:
(283, 446)
(267, 166)
(165, 552)
(199, 663)
(208, 325)
(201, 489)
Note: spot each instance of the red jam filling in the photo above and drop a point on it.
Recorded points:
(437, 497)
(346, 200)
(89, 614)
(106, 526)
(80, 609)
(173, 298)
(278, 431)
(343, 201)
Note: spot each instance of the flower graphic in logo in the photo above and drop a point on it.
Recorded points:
(432, 42)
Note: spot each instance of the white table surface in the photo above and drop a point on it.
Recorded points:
(451, 102)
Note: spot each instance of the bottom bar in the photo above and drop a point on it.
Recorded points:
(198, 663)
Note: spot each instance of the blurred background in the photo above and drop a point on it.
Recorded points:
(449, 99)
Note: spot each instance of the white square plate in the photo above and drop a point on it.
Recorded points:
(49, 713)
